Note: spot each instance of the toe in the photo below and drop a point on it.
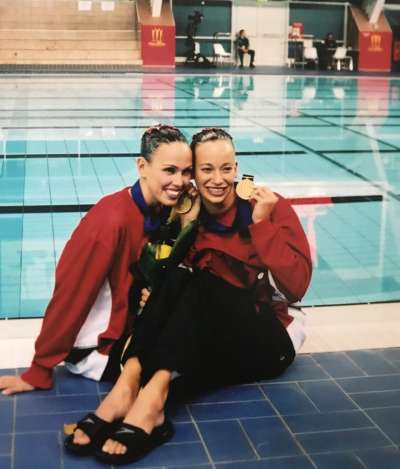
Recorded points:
(120, 449)
(114, 447)
(80, 438)
(108, 445)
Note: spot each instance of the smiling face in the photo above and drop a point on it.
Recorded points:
(164, 177)
(215, 172)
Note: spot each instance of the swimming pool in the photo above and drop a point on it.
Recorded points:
(330, 144)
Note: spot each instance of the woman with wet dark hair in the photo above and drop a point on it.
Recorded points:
(88, 312)
(228, 314)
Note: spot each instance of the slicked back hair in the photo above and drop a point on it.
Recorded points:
(154, 136)
(209, 134)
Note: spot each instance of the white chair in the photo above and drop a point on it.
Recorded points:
(341, 58)
(290, 62)
(196, 48)
(307, 43)
(220, 53)
(310, 55)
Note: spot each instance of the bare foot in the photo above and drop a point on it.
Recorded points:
(118, 401)
(147, 412)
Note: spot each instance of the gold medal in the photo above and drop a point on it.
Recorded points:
(184, 205)
(245, 187)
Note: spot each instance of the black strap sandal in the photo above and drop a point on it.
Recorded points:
(96, 429)
(137, 442)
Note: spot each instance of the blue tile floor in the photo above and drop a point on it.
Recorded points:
(329, 411)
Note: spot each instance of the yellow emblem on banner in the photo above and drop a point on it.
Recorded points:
(375, 43)
(156, 37)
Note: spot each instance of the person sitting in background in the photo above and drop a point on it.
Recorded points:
(243, 47)
(330, 41)
(328, 51)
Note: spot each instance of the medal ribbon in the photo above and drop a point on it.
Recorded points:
(240, 223)
(152, 223)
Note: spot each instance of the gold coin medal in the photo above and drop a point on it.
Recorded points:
(245, 187)
(184, 205)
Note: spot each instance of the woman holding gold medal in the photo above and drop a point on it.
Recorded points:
(227, 314)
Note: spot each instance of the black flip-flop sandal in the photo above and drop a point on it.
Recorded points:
(138, 443)
(96, 429)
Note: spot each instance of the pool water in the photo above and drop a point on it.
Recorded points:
(332, 145)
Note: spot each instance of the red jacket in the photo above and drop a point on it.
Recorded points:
(276, 247)
(103, 246)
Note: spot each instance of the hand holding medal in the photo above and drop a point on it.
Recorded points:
(184, 204)
(188, 206)
(265, 200)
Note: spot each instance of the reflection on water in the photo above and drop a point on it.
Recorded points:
(68, 140)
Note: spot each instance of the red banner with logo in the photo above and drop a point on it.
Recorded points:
(158, 45)
(375, 51)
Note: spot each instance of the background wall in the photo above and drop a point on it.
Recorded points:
(319, 19)
(267, 29)
(217, 18)
(393, 16)
(266, 25)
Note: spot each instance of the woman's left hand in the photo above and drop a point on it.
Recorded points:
(265, 201)
(193, 213)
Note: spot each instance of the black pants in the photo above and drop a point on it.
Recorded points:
(113, 367)
(241, 53)
(209, 331)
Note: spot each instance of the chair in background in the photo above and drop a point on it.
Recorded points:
(220, 54)
(310, 55)
(196, 48)
(307, 43)
(341, 59)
